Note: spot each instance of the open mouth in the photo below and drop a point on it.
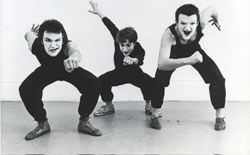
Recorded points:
(125, 53)
(187, 32)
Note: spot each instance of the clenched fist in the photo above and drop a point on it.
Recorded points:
(71, 63)
(196, 58)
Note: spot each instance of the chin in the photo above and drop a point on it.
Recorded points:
(53, 54)
(187, 37)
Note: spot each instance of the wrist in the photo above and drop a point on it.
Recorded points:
(100, 15)
(187, 61)
(135, 61)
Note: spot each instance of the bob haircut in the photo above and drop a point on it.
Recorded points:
(127, 33)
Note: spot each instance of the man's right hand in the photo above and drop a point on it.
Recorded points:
(31, 35)
(35, 28)
(196, 58)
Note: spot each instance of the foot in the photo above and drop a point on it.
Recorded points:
(105, 110)
(42, 128)
(155, 123)
(220, 124)
(84, 126)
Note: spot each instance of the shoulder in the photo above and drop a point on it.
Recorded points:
(138, 46)
(71, 44)
(168, 36)
(36, 46)
(70, 47)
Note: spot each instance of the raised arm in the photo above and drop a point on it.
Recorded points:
(95, 9)
(107, 22)
(209, 15)
(167, 63)
(31, 35)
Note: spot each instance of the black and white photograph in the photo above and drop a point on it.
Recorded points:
(125, 77)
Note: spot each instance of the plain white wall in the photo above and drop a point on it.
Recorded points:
(228, 48)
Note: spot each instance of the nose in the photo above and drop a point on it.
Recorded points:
(53, 45)
(124, 49)
(187, 28)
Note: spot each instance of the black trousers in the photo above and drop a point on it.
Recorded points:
(208, 71)
(129, 74)
(32, 88)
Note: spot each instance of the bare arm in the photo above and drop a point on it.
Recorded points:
(31, 35)
(72, 51)
(208, 15)
(167, 63)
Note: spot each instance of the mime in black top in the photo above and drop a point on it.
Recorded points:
(52, 69)
(122, 74)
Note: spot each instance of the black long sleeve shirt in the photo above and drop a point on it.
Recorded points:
(138, 51)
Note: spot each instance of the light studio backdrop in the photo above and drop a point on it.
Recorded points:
(229, 48)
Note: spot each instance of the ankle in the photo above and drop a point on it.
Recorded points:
(43, 122)
(109, 104)
(156, 112)
(219, 113)
(147, 104)
(84, 119)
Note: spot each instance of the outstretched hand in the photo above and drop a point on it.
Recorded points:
(215, 22)
(95, 9)
(35, 28)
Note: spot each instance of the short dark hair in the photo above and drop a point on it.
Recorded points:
(52, 26)
(187, 9)
(127, 33)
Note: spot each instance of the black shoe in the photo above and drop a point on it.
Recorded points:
(155, 123)
(220, 124)
(84, 126)
(42, 128)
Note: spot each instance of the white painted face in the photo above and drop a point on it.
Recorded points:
(52, 43)
(126, 47)
(187, 26)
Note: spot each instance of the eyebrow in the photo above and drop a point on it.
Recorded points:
(47, 38)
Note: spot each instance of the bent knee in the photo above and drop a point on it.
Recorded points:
(219, 81)
(23, 89)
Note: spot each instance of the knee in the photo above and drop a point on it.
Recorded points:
(160, 83)
(219, 82)
(104, 81)
(23, 89)
(95, 84)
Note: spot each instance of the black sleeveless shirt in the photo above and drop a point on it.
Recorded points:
(179, 50)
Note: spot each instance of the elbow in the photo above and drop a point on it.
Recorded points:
(162, 66)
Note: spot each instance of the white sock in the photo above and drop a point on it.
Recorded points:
(219, 113)
(156, 112)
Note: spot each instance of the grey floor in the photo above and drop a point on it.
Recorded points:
(187, 129)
